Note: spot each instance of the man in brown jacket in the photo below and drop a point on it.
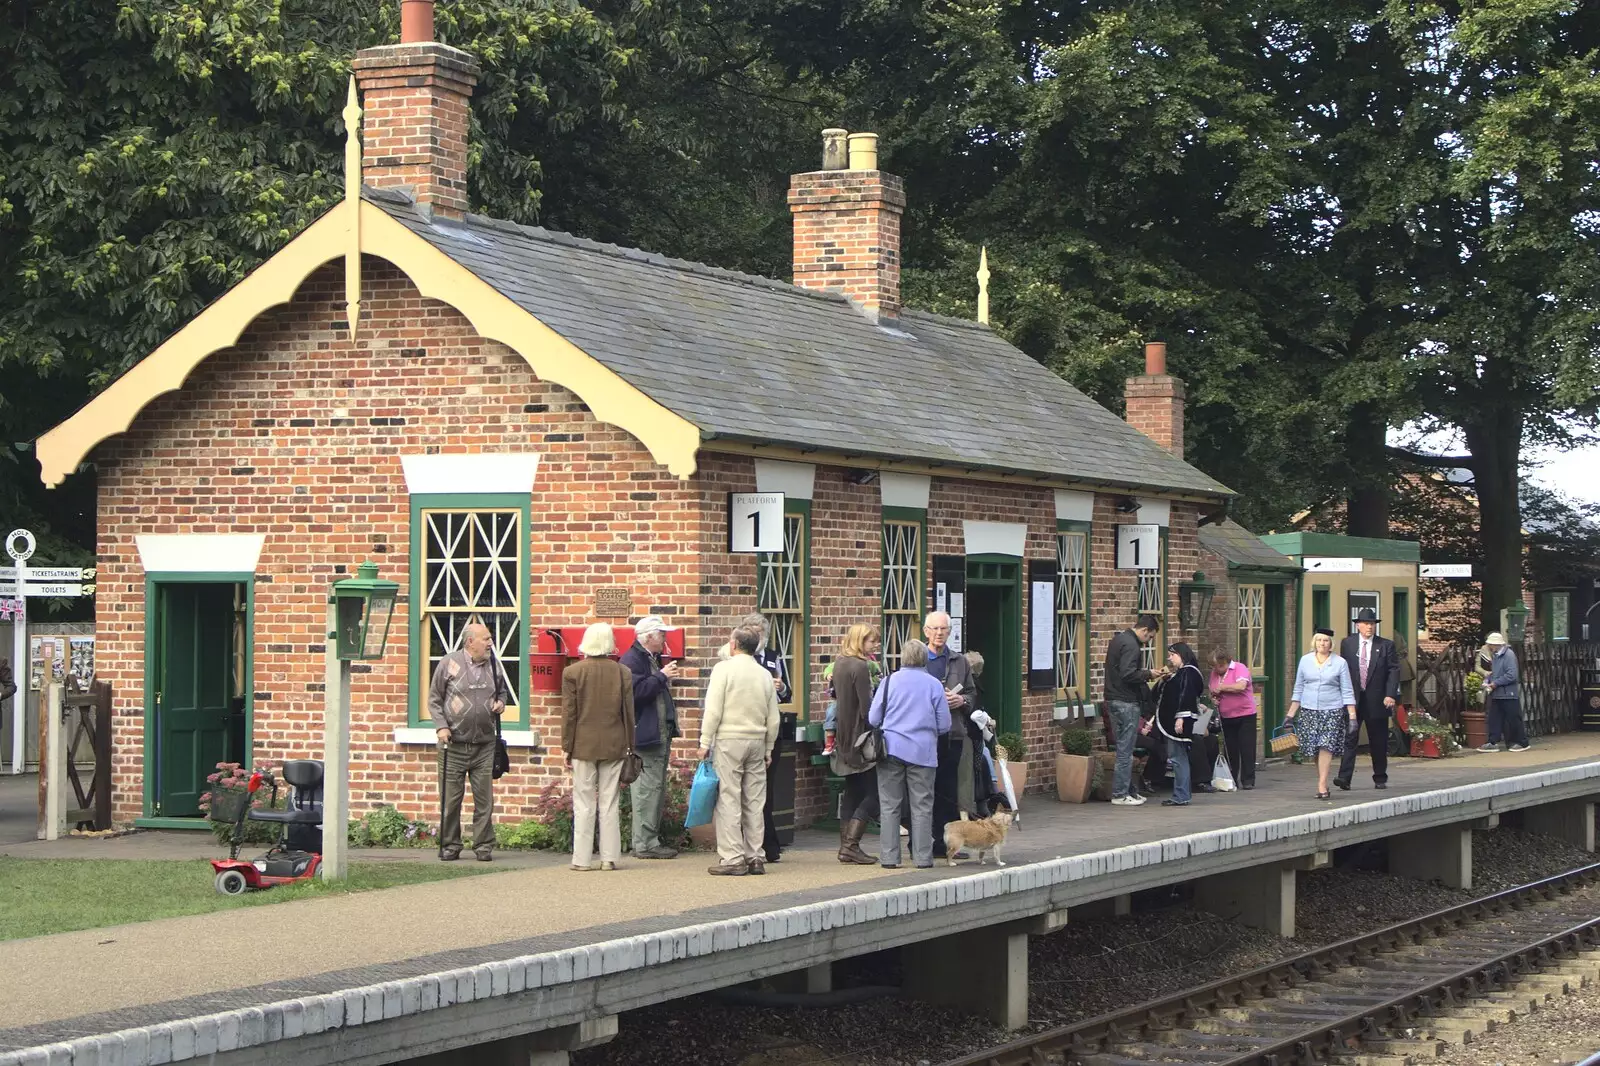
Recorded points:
(469, 692)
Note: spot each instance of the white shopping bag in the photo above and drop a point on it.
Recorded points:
(1221, 776)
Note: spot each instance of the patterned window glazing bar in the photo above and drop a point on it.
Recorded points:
(473, 566)
(902, 585)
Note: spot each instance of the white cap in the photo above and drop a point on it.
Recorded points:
(1495, 638)
(650, 623)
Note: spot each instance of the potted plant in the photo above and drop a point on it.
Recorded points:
(1474, 719)
(1430, 738)
(1014, 750)
(1076, 766)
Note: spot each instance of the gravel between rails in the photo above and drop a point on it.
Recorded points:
(1086, 969)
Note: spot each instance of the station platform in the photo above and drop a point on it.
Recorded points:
(423, 970)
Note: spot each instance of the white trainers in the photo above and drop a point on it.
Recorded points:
(1519, 747)
(1126, 801)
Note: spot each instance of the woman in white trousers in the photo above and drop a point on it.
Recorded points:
(596, 734)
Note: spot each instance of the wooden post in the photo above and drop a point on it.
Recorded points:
(102, 755)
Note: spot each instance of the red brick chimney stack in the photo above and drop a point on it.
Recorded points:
(415, 99)
(847, 224)
(1155, 401)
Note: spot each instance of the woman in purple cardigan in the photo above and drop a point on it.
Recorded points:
(911, 709)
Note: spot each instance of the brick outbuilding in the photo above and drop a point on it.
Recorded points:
(541, 431)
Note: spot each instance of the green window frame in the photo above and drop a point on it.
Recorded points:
(1321, 609)
(783, 594)
(469, 560)
(1253, 628)
(905, 561)
(1074, 545)
(1151, 598)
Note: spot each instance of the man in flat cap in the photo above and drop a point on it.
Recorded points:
(1375, 675)
(656, 726)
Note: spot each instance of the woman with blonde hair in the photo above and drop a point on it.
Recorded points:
(852, 685)
(1321, 687)
(596, 734)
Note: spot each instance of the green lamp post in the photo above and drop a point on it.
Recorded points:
(1194, 601)
(1514, 622)
(360, 610)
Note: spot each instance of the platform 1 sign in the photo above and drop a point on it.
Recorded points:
(1138, 546)
(755, 522)
(1445, 570)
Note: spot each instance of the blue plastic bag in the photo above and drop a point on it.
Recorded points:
(702, 797)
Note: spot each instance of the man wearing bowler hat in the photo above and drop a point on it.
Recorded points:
(1375, 675)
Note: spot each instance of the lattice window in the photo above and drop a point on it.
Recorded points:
(1253, 627)
(781, 596)
(902, 588)
(1153, 600)
(1072, 601)
(472, 565)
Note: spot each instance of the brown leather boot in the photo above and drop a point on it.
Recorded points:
(850, 834)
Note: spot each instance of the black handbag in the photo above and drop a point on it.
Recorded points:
(632, 761)
(869, 745)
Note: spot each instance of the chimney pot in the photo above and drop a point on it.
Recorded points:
(863, 151)
(834, 152)
(416, 21)
(1155, 358)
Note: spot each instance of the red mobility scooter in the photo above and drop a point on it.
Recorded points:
(297, 853)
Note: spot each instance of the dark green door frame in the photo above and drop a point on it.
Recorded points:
(154, 621)
(1002, 572)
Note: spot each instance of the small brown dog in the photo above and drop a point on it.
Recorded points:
(985, 835)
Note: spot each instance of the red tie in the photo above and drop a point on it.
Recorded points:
(1364, 645)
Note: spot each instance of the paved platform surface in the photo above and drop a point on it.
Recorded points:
(143, 974)
(19, 808)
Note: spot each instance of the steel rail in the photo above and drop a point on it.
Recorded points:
(1168, 1012)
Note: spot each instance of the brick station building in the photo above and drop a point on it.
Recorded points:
(528, 427)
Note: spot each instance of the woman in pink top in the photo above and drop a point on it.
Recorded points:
(1234, 689)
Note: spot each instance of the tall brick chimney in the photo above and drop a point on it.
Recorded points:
(1155, 401)
(847, 224)
(415, 99)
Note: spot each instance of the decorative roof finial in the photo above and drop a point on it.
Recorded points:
(983, 285)
(352, 206)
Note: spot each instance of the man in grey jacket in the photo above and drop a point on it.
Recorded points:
(1503, 690)
(469, 692)
(1126, 691)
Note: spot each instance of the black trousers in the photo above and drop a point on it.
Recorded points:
(946, 792)
(769, 825)
(1202, 761)
(860, 797)
(1377, 723)
(1239, 737)
(1505, 716)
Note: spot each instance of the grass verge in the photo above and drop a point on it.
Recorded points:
(41, 896)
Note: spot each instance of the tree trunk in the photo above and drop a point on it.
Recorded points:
(1367, 507)
(1496, 447)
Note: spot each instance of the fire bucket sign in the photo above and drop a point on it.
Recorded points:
(755, 522)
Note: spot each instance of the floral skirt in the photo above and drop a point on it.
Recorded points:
(1321, 730)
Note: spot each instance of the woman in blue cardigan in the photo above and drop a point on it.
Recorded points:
(1322, 690)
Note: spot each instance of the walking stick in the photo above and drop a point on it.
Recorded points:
(444, 768)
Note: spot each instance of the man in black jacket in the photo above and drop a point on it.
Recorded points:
(1126, 692)
(656, 724)
(1375, 675)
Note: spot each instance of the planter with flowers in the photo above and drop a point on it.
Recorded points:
(1077, 769)
(1474, 720)
(1430, 738)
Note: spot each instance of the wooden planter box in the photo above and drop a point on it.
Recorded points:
(1425, 748)
(1074, 777)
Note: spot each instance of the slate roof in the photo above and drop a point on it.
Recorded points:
(1242, 548)
(752, 359)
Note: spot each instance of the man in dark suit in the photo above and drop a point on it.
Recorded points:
(1375, 675)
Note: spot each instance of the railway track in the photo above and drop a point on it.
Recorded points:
(1386, 998)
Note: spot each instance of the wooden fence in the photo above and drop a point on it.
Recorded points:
(86, 736)
(1551, 678)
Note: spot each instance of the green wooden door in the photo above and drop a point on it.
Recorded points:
(193, 687)
(1274, 694)
(993, 628)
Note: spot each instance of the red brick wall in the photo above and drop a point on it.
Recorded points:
(1154, 405)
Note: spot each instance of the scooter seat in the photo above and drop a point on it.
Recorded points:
(291, 816)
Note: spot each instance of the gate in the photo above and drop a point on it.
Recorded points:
(1551, 675)
(87, 729)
